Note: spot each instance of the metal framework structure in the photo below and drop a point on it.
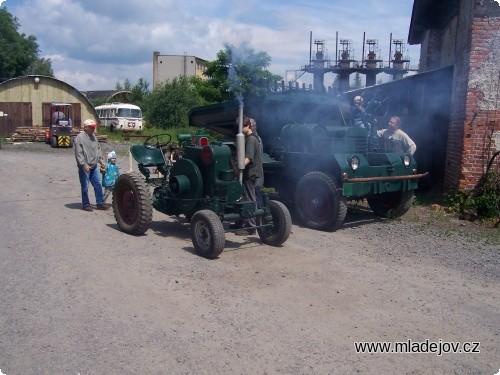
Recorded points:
(345, 64)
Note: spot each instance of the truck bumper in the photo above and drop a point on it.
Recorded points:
(360, 186)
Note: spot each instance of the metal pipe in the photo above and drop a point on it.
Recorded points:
(336, 48)
(240, 143)
(390, 49)
(386, 178)
(363, 53)
(310, 47)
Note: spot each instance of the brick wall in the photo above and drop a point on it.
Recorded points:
(482, 112)
(475, 103)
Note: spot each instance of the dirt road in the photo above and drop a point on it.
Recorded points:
(80, 297)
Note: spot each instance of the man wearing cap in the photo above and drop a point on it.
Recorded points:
(88, 155)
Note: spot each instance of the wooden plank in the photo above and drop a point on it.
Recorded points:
(37, 134)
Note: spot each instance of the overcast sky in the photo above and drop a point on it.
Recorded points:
(95, 43)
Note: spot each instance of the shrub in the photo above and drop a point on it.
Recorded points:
(484, 199)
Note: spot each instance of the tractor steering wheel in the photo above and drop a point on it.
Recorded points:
(161, 141)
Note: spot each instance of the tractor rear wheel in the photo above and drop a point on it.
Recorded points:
(132, 204)
(318, 202)
(282, 225)
(391, 205)
(207, 234)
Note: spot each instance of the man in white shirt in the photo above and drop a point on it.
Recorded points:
(396, 140)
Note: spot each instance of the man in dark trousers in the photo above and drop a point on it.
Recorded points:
(88, 154)
(253, 174)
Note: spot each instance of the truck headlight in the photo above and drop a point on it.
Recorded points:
(354, 163)
(406, 160)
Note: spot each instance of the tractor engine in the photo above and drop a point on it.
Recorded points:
(204, 171)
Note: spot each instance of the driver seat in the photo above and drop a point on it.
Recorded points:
(149, 157)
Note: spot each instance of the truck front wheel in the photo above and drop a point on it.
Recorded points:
(132, 204)
(207, 234)
(391, 205)
(318, 203)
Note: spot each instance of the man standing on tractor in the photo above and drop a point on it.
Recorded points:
(253, 175)
(88, 154)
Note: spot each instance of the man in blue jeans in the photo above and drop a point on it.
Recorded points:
(88, 155)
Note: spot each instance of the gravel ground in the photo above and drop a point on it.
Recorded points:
(80, 297)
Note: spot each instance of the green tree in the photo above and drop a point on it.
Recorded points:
(41, 66)
(236, 71)
(168, 105)
(127, 85)
(140, 91)
(17, 51)
(207, 90)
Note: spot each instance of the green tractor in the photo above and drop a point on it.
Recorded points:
(201, 184)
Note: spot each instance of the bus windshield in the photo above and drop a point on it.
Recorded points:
(129, 112)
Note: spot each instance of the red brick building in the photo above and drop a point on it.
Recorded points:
(465, 35)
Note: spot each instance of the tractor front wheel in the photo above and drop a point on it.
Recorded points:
(281, 228)
(318, 202)
(207, 234)
(132, 204)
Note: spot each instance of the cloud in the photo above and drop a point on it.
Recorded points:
(96, 43)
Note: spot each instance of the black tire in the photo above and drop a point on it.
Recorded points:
(53, 142)
(391, 205)
(318, 203)
(282, 225)
(207, 234)
(132, 204)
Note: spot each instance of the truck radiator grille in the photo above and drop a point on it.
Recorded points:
(361, 145)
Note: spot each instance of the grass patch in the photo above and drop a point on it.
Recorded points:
(118, 135)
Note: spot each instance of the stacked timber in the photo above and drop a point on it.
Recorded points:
(37, 134)
(29, 134)
(102, 138)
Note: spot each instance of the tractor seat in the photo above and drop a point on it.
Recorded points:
(147, 156)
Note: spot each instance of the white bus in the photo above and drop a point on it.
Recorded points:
(120, 116)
